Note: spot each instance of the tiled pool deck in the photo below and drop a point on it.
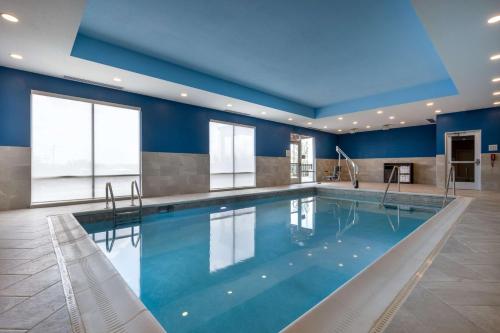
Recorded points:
(459, 293)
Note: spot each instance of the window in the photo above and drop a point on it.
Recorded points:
(78, 146)
(232, 156)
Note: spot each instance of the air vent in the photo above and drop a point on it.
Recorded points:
(431, 120)
(110, 86)
(386, 127)
(240, 113)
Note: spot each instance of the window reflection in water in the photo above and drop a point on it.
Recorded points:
(232, 237)
(302, 219)
(123, 248)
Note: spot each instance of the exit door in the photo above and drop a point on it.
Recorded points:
(463, 151)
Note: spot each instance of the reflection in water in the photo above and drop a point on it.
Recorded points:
(255, 269)
(351, 219)
(394, 226)
(302, 219)
(123, 247)
(232, 237)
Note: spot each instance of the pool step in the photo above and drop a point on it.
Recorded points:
(122, 215)
(128, 216)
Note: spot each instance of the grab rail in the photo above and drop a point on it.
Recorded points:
(355, 169)
(389, 183)
(109, 193)
(133, 187)
(447, 187)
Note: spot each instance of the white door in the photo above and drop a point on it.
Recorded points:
(307, 160)
(463, 151)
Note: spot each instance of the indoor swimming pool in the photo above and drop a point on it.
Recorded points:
(255, 265)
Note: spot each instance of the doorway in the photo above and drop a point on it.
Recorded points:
(463, 151)
(302, 159)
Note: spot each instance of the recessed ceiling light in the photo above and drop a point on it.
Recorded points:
(339, 130)
(184, 94)
(290, 119)
(380, 112)
(10, 18)
(229, 105)
(402, 122)
(117, 79)
(354, 122)
(496, 93)
(309, 123)
(340, 118)
(325, 126)
(185, 314)
(495, 79)
(16, 56)
(494, 19)
(430, 104)
(495, 57)
(437, 111)
(368, 126)
(263, 112)
(392, 117)
(496, 103)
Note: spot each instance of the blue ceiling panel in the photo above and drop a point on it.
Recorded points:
(298, 56)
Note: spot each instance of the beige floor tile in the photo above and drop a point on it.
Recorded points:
(465, 292)
(58, 322)
(34, 310)
(33, 284)
(486, 317)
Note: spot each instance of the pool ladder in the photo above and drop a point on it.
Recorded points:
(447, 187)
(137, 211)
(389, 183)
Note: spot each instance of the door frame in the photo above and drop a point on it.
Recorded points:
(477, 158)
(299, 164)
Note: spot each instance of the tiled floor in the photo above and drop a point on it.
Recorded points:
(461, 290)
(459, 293)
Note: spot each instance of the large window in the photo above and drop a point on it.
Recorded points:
(78, 146)
(232, 156)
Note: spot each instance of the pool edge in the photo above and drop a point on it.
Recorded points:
(363, 302)
(72, 225)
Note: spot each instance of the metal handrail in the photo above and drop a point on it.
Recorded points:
(447, 187)
(135, 186)
(390, 181)
(134, 242)
(355, 169)
(109, 245)
(109, 194)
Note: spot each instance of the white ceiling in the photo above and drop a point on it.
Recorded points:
(459, 30)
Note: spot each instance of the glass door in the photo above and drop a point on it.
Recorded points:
(463, 151)
(307, 168)
(302, 159)
(294, 163)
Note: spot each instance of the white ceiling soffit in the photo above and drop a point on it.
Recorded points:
(46, 31)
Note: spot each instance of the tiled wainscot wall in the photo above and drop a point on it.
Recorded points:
(372, 169)
(490, 175)
(15, 177)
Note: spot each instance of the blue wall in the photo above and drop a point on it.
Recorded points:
(417, 141)
(167, 126)
(487, 120)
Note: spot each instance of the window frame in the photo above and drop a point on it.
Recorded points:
(234, 173)
(92, 102)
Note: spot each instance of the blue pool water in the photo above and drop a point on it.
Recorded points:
(252, 266)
